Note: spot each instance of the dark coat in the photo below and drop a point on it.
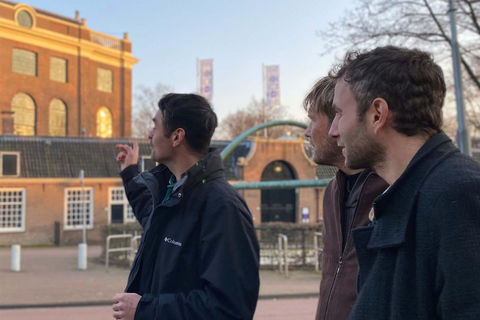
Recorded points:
(338, 288)
(420, 258)
(199, 255)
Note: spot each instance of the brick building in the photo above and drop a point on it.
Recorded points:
(41, 195)
(60, 78)
(65, 102)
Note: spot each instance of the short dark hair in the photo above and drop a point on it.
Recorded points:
(408, 80)
(193, 114)
(320, 98)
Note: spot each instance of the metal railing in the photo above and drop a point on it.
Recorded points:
(318, 250)
(283, 253)
(108, 250)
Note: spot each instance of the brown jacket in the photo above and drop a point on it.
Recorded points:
(338, 289)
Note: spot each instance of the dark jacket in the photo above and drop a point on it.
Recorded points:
(338, 288)
(199, 255)
(420, 258)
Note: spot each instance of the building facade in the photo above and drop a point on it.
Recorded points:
(60, 78)
(42, 200)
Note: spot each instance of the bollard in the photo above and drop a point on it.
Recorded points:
(16, 257)
(82, 256)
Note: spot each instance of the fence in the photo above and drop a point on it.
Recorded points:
(302, 250)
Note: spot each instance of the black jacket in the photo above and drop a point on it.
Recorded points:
(338, 288)
(420, 258)
(199, 255)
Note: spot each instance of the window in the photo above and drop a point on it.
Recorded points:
(58, 69)
(147, 163)
(23, 108)
(12, 210)
(74, 208)
(24, 62)
(57, 118)
(9, 164)
(24, 18)
(104, 80)
(104, 123)
(120, 209)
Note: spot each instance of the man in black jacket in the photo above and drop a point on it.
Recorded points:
(199, 256)
(347, 200)
(419, 257)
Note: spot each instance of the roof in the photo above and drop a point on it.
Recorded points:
(45, 12)
(64, 157)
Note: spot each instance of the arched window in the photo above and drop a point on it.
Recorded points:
(104, 123)
(23, 107)
(57, 118)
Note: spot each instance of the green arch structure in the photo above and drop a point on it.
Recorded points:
(286, 184)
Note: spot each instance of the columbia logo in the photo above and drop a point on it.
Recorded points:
(170, 240)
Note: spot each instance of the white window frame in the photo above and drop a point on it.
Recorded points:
(65, 217)
(24, 212)
(143, 162)
(124, 202)
(18, 163)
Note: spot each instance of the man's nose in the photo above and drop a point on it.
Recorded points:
(333, 132)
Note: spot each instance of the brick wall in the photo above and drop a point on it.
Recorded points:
(45, 204)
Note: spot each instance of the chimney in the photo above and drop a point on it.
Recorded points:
(7, 123)
(77, 15)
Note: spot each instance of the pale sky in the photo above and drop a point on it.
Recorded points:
(169, 35)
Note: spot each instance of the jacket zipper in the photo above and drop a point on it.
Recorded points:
(340, 261)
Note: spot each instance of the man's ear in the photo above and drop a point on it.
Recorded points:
(381, 114)
(178, 136)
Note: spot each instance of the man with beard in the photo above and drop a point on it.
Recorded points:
(419, 257)
(346, 203)
(199, 255)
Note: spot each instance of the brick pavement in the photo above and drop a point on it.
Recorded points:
(49, 276)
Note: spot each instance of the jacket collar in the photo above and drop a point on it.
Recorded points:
(206, 169)
(394, 208)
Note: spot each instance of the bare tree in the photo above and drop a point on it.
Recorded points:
(254, 114)
(416, 23)
(145, 106)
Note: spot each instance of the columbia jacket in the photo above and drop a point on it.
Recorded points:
(338, 288)
(420, 258)
(199, 255)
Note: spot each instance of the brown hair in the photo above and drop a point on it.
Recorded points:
(320, 98)
(408, 80)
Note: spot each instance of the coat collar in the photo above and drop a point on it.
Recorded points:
(394, 208)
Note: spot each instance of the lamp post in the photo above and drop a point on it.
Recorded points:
(82, 247)
(463, 139)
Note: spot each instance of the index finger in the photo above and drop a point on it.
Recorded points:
(124, 148)
(116, 298)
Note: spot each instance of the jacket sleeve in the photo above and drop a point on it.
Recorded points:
(458, 239)
(138, 195)
(228, 263)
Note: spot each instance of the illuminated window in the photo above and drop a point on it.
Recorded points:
(25, 19)
(58, 69)
(57, 118)
(23, 108)
(104, 123)
(104, 80)
(24, 62)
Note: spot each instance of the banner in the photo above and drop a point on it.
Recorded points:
(205, 75)
(272, 84)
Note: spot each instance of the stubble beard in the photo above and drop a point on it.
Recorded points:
(364, 152)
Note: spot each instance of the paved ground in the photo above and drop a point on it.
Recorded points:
(285, 309)
(49, 276)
